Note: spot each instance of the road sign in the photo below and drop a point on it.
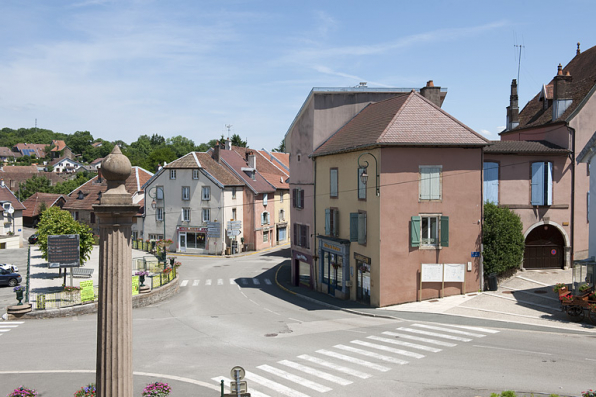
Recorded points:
(64, 249)
(240, 370)
(213, 229)
(232, 232)
(475, 254)
(241, 386)
(235, 225)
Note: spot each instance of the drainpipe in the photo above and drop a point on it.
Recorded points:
(314, 231)
(481, 265)
(572, 131)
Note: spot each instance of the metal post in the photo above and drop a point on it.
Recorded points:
(222, 387)
(28, 273)
(237, 383)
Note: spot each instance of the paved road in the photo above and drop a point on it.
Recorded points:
(16, 257)
(230, 312)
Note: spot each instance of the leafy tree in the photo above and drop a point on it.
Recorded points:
(158, 156)
(502, 238)
(79, 142)
(157, 140)
(56, 221)
(68, 186)
(281, 148)
(237, 141)
(180, 145)
(42, 207)
(34, 185)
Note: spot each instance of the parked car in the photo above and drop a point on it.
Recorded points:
(33, 238)
(8, 266)
(9, 278)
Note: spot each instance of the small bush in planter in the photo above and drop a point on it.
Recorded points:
(23, 391)
(157, 389)
(559, 286)
(86, 391)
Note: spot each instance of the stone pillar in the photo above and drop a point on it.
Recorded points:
(114, 315)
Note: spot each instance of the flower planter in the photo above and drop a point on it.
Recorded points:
(20, 297)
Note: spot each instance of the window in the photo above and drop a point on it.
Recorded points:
(75, 215)
(491, 182)
(93, 217)
(429, 231)
(281, 197)
(233, 214)
(206, 214)
(282, 215)
(233, 192)
(172, 174)
(80, 196)
(195, 174)
(358, 227)
(333, 183)
(265, 236)
(206, 193)
(331, 222)
(265, 197)
(159, 214)
(185, 192)
(430, 182)
(185, 214)
(301, 236)
(542, 183)
(159, 192)
(298, 198)
(361, 186)
(265, 218)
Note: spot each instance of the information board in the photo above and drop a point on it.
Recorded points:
(87, 292)
(213, 230)
(454, 272)
(432, 272)
(64, 249)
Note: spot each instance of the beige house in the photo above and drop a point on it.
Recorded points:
(11, 218)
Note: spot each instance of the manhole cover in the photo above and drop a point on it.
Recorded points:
(540, 291)
(508, 292)
(434, 300)
(270, 335)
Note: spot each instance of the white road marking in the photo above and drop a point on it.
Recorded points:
(8, 326)
(267, 281)
(353, 360)
(339, 368)
(294, 378)
(406, 344)
(371, 354)
(195, 283)
(419, 339)
(290, 318)
(273, 385)
(12, 322)
(513, 350)
(438, 335)
(388, 349)
(232, 281)
(316, 372)
(183, 283)
(220, 281)
(269, 310)
(479, 329)
(227, 381)
(208, 282)
(256, 281)
(453, 331)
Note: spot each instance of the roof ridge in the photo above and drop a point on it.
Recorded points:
(398, 112)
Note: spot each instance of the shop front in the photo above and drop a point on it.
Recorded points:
(302, 270)
(334, 266)
(192, 239)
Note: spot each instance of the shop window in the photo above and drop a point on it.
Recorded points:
(358, 227)
(185, 214)
(206, 193)
(430, 182)
(542, 183)
(332, 222)
(429, 231)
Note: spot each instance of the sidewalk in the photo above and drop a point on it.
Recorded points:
(527, 298)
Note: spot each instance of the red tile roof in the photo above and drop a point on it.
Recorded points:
(525, 147)
(404, 120)
(283, 158)
(201, 160)
(33, 203)
(7, 195)
(58, 145)
(236, 163)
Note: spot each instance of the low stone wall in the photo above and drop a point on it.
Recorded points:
(157, 295)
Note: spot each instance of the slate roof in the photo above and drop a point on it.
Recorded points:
(202, 160)
(583, 72)
(525, 147)
(34, 202)
(7, 195)
(404, 120)
(236, 163)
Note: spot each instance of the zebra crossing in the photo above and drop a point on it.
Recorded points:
(342, 364)
(7, 326)
(220, 281)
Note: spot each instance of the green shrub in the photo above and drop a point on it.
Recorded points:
(503, 240)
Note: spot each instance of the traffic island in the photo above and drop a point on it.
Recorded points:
(18, 311)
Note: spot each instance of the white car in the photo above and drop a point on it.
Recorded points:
(7, 266)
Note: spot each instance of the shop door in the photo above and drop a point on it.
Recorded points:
(333, 271)
(182, 242)
(363, 281)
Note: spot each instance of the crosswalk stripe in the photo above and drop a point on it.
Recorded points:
(4, 330)
(294, 378)
(402, 343)
(13, 322)
(195, 283)
(315, 372)
(208, 282)
(453, 331)
(419, 339)
(388, 349)
(232, 281)
(256, 281)
(183, 283)
(438, 335)
(354, 360)
(273, 385)
(338, 368)
(8, 326)
(267, 281)
(479, 329)
(227, 381)
(220, 281)
(371, 354)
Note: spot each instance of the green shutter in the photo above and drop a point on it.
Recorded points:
(354, 226)
(362, 228)
(444, 231)
(415, 231)
(327, 221)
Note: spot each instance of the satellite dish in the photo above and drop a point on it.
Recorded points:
(11, 210)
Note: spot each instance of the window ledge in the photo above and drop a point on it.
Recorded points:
(431, 247)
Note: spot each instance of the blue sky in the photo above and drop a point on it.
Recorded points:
(124, 68)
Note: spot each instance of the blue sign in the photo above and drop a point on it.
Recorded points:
(475, 254)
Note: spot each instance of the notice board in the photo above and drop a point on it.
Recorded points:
(64, 249)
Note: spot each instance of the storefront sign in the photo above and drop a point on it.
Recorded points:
(302, 257)
(192, 229)
(331, 247)
(362, 258)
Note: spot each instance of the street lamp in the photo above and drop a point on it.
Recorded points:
(153, 193)
(364, 175)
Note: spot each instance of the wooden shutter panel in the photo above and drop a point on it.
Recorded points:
(296, 235)
(435, 183)
(327, 221)
(354, 226)
(362, 228)
(301, 199)
(537, 183)
(294, 198)
(415, 231)
(335, 224)
(444, 231)
(549, 183)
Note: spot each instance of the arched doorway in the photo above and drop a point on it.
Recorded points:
(544, 248)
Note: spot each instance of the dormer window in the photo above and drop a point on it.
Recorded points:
(80, 196)
(99, 195)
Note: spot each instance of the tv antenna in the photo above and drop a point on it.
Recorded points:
(229, 127)
(520, 46)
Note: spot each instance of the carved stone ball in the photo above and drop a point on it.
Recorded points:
(116, 166)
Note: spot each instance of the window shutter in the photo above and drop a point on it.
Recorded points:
(294, 198)
(159, 193)
(491, 182)
(296, 241)
(444, 231)
(361, 228)
(263, 218)
(537, 183)
(301, 205)
(415, 231)
(327, 221)
(335, 215)
(549, 183)
(354, 226)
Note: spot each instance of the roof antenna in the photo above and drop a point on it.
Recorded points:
(229, 127)
(519, 60)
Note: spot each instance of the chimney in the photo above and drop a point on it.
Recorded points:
(99, 175)
(561, 93)
(228, 145)
(578, 50)
(2, 182)
(252, 160)
(431, 93)
(216, 153)
(513, 108)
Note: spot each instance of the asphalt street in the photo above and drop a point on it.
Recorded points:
(229, 312)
